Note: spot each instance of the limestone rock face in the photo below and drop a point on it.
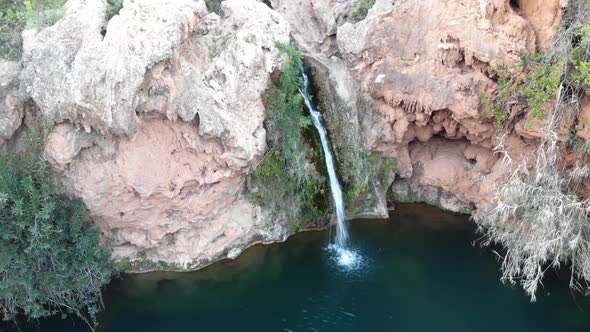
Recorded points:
(420, 65)
(441, 167)
(11, 110)
(160, 120)
(88, 71)
(65, 142)
(425, 79)
(171, 196)
(219, 76)
(313, 20)
(429, 73)
(545, 17)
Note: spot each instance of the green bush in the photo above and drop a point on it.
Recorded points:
(362, 172)
(213, 6)
(581, 57)
(50, 260)
(360, 10)
(17, 15)
(287, 179)
(542, 78)
(114, 8)
(551, 79)
(542, 86)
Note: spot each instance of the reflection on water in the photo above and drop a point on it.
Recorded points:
(420, 272)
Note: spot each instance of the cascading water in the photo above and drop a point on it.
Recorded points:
(344, 256)
(316, 117)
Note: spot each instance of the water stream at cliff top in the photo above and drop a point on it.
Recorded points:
(344, 256)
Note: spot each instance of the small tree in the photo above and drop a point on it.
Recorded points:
(538, 223)
(536, 217)
(50, 259)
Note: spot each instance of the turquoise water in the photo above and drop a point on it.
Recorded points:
(420, 273)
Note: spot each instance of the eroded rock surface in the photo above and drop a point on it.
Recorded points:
(158, 113)
(170, 195)
(11, 108)
(161, 119)
(86, 70)
(449, 174)
(544, 16)
(422, 81)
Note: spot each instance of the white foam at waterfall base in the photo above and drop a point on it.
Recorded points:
(345, 258)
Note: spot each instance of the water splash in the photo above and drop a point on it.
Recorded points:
(316, 117)
(345, 258)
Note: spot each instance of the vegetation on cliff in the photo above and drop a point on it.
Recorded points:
(213, 6)
(360, 10)
(114, 8)
(51, 261)
(538, 219)
(17, 15)
(363, 173)
(287, 179)
(555, 78)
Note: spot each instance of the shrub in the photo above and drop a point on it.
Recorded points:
(557, 76)
(537, 217)
(16, 15)
(360, 10)
(50, 260)
(114, 8)
(213, 6)
(540, 85)
(538, 224)
(287, 180)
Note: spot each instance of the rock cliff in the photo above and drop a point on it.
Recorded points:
(157, 113)
(419, 66)
(158, 118)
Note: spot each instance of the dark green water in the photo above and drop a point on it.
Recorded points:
(421, 273)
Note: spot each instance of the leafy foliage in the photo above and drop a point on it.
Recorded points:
(540, 86)
(360, 10)
(50, 260)
(114, 8)
(213, 6)
(16, 15)
(499, 105)
(362, 172)
(287, 179)
(562, 72)
(581, 56)
(543, 84)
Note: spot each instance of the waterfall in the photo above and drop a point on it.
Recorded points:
(316, 117)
